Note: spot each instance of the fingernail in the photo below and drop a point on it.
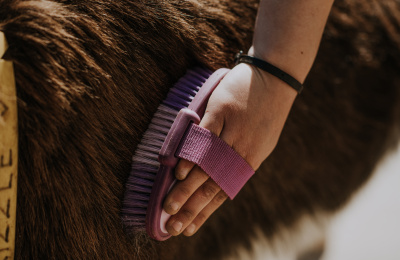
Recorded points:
(191, 228)
(177, 226)
(174, 206)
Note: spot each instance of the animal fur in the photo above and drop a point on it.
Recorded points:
(90, 74)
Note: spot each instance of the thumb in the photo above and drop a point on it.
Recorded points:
(212, 121)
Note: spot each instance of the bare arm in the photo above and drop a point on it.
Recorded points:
(288, 32)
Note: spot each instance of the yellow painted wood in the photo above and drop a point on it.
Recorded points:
(8, 155)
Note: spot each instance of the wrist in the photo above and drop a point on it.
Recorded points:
(293, 64)
(279, 89)
(271, 69)
(274, 89)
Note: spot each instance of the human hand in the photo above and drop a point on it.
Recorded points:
(247, 110)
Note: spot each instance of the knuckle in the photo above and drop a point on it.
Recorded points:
(187, 214)
(201, 218)
(184, 191)
(220, 198)
(208, 190)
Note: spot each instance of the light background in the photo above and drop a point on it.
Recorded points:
(367, 228)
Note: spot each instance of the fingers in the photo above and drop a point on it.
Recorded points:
(181, 192)
(200, 200)
(196, 190)
(215, 203)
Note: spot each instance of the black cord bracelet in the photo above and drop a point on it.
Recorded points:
(240, 57)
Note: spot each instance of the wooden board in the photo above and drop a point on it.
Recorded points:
(8, 154)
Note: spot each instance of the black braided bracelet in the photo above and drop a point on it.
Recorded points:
(240, 57)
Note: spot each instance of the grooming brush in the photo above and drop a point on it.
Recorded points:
(152, 174)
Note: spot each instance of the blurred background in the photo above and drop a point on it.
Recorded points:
(367, 228)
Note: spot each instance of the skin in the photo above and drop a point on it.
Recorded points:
(249, 107)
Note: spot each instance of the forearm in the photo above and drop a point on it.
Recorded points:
(288, 32)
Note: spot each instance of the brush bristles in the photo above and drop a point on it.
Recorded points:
(145, 163)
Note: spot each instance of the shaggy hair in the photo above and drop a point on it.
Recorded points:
(90, 74)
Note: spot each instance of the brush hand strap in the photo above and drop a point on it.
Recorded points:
(223, 164)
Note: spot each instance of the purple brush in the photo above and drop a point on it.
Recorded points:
(150, 180)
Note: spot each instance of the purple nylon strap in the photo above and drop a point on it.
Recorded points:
(223, 164)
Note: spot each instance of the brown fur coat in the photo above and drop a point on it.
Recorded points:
(90, 74)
